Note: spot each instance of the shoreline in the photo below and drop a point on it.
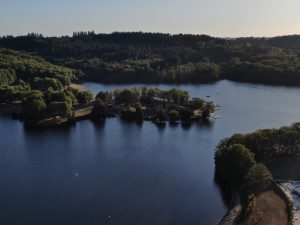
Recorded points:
(288, 188)
(234, 211)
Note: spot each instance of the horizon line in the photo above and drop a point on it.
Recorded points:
(143, 32)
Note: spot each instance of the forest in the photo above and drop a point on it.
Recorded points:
(44, 95)
(37, 71)
(40, 88)
(136, 57)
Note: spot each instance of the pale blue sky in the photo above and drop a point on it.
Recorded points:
(223, 18)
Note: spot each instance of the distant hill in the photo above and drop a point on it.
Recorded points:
(163, 58)
(291, 42)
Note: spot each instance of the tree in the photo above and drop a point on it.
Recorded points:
(62, 109)
(104, 96)
(100, 110)
(44, 84)
(160, 116)
(174, 95)
(257, 179)
(84, 96)
(33, 106)
(55, 96)
(185, 114)
(197, 103)
(234, 163)
(7, 76)
(174, 116)
(126, 96)
(209, 108)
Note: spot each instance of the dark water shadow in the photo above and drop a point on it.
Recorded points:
(161, 126)
(224, 189)
(35, 130)
(173, 125)
(204, 124)
(41, 142)
(186, 125)
(99, 123)
(139, 123)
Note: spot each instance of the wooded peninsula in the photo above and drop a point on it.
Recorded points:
(247, 163)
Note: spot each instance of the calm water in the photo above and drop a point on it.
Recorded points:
(124, 173)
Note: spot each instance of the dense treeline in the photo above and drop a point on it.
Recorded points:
(291, 42)
(267, 143)
(42, 88)
(156, 57)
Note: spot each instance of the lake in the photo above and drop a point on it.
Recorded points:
(117, 173)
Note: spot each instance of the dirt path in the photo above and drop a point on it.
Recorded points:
(83, 112)
(77, 86)
(270, 209)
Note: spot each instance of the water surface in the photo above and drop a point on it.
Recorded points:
(124, 173)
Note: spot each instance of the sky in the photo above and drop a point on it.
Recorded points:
(221, 18)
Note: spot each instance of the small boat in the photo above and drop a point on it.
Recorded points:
(208, 96)
(216, 117)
